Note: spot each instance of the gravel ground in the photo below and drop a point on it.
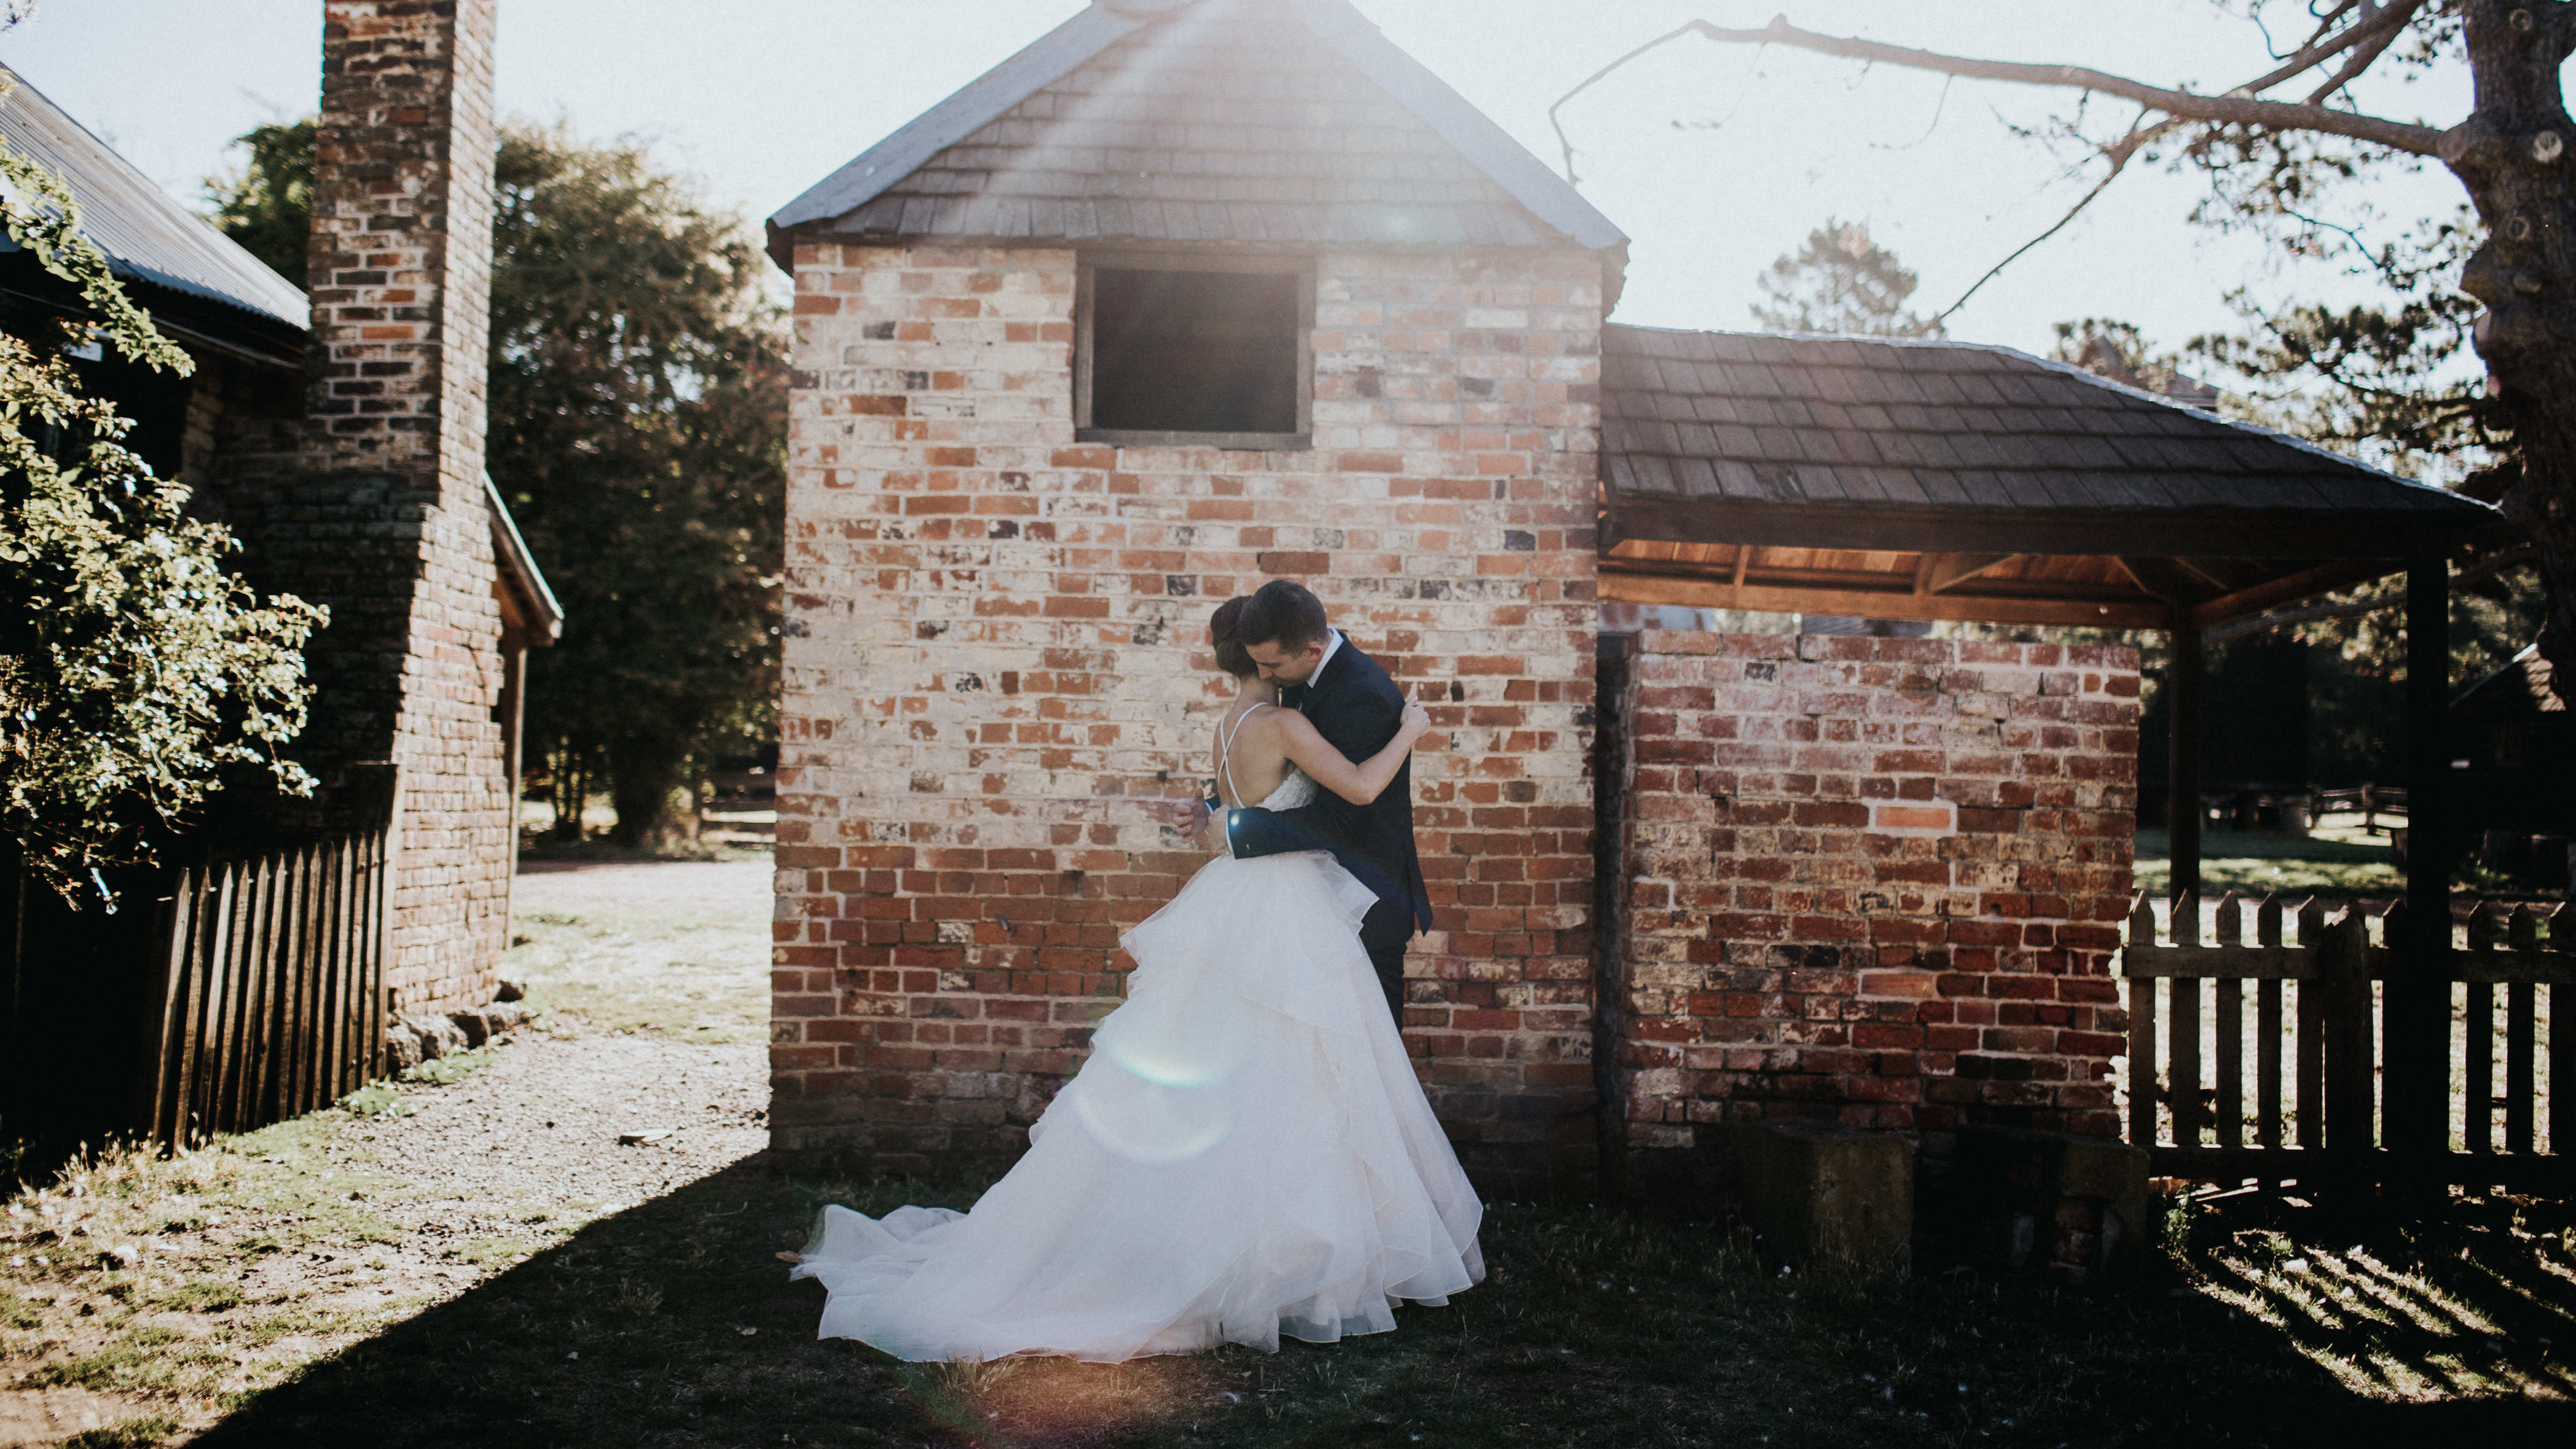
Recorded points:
(531, 1141)
(323, 1231)
(527, 1149)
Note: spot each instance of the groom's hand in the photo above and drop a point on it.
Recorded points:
(1186, 816)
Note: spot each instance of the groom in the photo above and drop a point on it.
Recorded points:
(1356, 708)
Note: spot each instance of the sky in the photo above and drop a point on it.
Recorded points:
(1714, 159)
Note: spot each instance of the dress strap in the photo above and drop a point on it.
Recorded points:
(1225, 752)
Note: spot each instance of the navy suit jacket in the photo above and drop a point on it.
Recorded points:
(1357, 709)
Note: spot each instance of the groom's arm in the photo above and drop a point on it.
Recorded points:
(1359, 724)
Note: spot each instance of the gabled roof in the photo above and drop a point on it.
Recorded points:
(1190, 121)
(147, 236)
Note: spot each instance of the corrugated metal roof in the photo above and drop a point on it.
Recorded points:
(144, 233)
(1282, 122)
(1833, 427)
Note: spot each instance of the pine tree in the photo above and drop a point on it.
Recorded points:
(1840, 281)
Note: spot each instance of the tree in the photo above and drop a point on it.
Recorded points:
(2267, 159)
(2114, 349)
(2356, 673)
(133, 667)
(1840, 281)
(267, 205)
(638, 431)
(639, 405)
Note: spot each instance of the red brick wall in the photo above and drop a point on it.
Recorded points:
(387, 522)
(996, 672)
(1879, 880)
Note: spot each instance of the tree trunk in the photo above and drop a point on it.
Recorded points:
(644, 776)
(571, 792)
(2513, 154)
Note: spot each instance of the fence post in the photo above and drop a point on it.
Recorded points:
(163, 993)
(2416, 1024)
(2343, 971)
(2145, 1073)
(382, 800)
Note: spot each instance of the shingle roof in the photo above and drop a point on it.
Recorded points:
(1249, 121)
(146, 235)
(1855, 436)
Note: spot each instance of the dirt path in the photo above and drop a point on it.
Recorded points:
(270, 1250)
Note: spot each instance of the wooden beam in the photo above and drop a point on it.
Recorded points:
(2166, 579)
(2206, 573)
(2305, 534)
(1941, 572)
(2416, 1035)
(2183, 668)
(1712, 592)
(2322, 578)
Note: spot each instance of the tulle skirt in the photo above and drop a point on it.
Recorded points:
(1245, 1154)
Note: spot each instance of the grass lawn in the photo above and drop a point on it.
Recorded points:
(2291, 865)
(629, 956)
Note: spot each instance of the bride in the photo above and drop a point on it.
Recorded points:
(1246, 1152)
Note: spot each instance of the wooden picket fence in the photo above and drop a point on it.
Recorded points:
(2316, 1054)
(266, 998)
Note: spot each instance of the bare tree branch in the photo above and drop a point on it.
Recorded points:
(1563, 142)
(2118, 155)
(2380, 22)
(2233, 109)
(2363, 56)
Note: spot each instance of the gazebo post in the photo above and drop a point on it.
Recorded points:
(2183, 671)
(2417, 1000)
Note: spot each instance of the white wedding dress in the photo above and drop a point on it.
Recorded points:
(1245, 1154)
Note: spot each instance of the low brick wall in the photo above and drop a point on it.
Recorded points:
(1876, 880)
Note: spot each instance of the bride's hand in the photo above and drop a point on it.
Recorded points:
(1417, 720)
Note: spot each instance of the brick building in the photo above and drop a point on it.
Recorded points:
(1191, 294)
(340, 436)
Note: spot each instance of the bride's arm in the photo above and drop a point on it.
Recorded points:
(1360, 783)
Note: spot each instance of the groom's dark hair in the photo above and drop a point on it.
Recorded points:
(1282, 613)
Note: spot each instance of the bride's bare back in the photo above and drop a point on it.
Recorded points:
(1257, 741)
(1251, 752)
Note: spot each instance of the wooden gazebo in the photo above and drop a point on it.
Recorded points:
(1901, 479)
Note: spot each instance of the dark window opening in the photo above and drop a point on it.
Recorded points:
(1195, 352)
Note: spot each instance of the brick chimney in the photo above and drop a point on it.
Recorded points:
(387, 521)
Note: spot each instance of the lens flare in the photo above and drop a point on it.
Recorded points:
(1148, 1121)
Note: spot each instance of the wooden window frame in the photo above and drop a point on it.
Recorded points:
(1300, 266)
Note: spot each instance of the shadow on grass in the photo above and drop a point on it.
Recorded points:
(2474, 1301)
(672, 1324)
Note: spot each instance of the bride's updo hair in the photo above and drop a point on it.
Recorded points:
(1224, 631)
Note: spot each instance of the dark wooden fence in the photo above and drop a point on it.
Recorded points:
(267, 995)
(220, 992)
(2304, 1102)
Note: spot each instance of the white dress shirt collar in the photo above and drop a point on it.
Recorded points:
(1332, 642)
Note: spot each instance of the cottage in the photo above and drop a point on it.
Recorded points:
(1187, 295)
